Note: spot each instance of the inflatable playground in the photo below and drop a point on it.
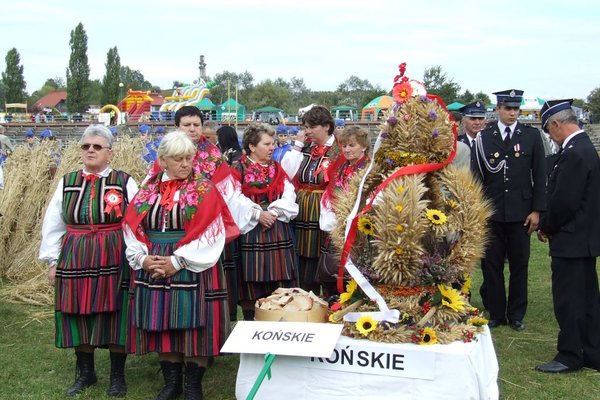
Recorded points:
(143, 106)
(190, 95)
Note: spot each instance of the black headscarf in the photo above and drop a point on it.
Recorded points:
(227, 141)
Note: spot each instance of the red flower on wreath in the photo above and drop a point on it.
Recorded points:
(402, 91)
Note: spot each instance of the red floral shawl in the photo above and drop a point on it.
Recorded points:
(260, 180)
(209, 169)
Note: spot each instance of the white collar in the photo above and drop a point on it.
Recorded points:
(503, 127)
(571, 136)
(103, 174)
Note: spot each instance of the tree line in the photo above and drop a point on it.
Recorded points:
(288, 95)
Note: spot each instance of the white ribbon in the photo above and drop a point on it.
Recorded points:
(384, 314)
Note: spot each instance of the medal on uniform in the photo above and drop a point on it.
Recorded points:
(517, 149)
(112, 198)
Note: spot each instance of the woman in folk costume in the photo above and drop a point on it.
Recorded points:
(175, 232)
(82, 242)
(307, 164)
(354, 145)
(268, 259)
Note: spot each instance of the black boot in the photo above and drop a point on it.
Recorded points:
(85, 374)
(173, 385)
(248, 315)
(117, 386)
(192, 389)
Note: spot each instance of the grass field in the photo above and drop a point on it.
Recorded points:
(32, 368)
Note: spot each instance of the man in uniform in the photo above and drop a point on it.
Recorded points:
(29, 138)
(572, 223)
(283, 143)
(473, 121)
(509, 160)
(149, 151)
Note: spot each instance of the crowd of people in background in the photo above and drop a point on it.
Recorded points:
(216, 224)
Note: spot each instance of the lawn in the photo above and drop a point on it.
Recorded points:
(32, 368)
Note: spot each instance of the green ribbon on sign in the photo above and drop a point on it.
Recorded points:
(266, 370)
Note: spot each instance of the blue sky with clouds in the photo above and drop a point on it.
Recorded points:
(549, 49)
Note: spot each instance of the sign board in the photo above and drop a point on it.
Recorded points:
(283, 338)
(366, 357)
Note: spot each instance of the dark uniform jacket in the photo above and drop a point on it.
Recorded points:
(464, 139)
(519, 188)
(572, 218)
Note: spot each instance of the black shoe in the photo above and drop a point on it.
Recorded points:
(173, 380)
(192, 387)
(555, 367)
(85, 373)
(248, 315)
(117, 386)
(517, 325)
(492, 323)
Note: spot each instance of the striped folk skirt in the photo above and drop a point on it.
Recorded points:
(187, 313)
(268, 260)
(230, 259)
(91, 289)
(309, 236)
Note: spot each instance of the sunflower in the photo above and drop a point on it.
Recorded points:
(452, 298)
(466, 287)
(365, 225)
(366, 324)
(477, 321)
(399, 207)
(350, 289)
(436, 216)
(428, 336)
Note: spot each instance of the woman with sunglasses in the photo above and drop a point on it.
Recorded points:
(82, 243)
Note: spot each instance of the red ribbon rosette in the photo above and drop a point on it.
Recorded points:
(113, 199)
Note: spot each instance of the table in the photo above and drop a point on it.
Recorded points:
(361, 369)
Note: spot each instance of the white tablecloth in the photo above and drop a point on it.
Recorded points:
(460, 371)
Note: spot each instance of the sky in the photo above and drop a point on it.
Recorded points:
(549, 49)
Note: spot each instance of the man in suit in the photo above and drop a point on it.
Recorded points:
(509, 160)
(572, 223)
(473, 121)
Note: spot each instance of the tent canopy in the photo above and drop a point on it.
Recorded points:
(227, 111)
(206, 105)
(384, 101)
(455, 106)
(372, 111)
(268, 109)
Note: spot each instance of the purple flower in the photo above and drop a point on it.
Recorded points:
(384, 135)
(432, 115)
(389, 162)
(435, 133)
(392, 120)
(424, 99)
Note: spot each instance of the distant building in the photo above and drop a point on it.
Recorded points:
(56, 99)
